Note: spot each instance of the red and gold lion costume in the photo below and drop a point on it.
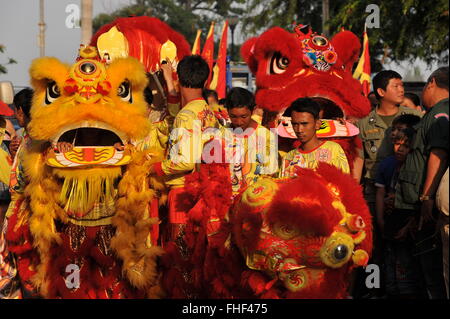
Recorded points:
(87, 212)
(288, 66)
(282, 238)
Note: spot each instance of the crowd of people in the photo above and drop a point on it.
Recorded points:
(400, 165)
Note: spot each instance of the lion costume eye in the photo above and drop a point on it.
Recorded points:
(124, 91)
(337, 250)
(52, 92)
(278, 64)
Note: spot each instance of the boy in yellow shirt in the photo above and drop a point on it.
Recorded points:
(186, 139)
(250, 148)
(304, 113)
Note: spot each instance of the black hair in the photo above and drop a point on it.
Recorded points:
(407, 134)
(381, 80)
(193, 71)
(409, 120)
(413, 97)
(329, 108)
(22, 100)
(2, 122)
(207, 93)
(440, 76)
(222, 101)
(304, 104)
(239, 97)
(148, 95)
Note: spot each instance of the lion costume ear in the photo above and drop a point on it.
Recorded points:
(248, 54)
(47, 69)
(348, 47)
(130, 69)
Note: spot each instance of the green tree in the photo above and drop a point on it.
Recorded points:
(184, 16)
(409, 29)
(3, 68)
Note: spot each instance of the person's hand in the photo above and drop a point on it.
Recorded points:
(14, 145)
(119, 146)
(258, 111)
(389, 202)
(426, 212)
(352, 119)
(167, 69)
(340, 120)
(408, 229)
(64, 147)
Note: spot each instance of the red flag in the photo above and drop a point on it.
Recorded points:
(196, 46)
(219, 80)
(362, 71)
(208, 51)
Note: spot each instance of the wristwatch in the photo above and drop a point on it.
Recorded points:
(423, 198)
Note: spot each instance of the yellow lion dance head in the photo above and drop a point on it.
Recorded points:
(96, 185)
(88, 98)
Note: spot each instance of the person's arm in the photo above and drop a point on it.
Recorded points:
(358, 165)
(379, 206)
(183, 153)
(14, 145)
(168, 77)
(283, 159)
(436, 166)
(173, 99)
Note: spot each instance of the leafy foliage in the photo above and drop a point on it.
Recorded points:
(3, 68)
(409, 29)
(185, 16)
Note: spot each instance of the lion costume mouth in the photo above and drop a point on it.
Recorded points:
(93, 145)
(90, 134)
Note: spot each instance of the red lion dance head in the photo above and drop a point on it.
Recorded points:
(288, 66)
(302, 237)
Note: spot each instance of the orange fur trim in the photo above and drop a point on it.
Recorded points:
(133, 225)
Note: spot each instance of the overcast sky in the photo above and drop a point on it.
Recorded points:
(19, 34)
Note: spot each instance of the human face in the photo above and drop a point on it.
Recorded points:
(396, 129)
(241, 117)
(401, 149)
(212, 100)
(394, 92)
(21, 118)
(305, 126)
